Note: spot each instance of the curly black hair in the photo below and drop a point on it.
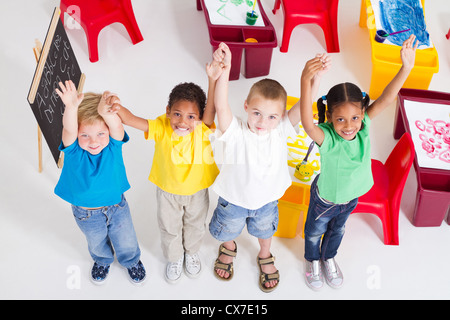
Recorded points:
(188, 91)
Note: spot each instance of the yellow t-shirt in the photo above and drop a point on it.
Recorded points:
(181, 165)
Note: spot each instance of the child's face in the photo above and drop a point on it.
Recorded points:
(184, 116)
(263, 114)
(93, 137)
(347, 120)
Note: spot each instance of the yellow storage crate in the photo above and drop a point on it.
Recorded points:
(291, 206)
(386, 59)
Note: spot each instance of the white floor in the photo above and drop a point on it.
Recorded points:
(43, 254)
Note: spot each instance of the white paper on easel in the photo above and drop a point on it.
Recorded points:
(231, 12)
(430, 130)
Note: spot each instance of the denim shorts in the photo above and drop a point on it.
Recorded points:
(228, 220)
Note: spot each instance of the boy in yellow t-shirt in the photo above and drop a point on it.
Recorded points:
(183, 168)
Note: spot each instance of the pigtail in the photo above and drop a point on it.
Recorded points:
(321, 108)
(365, 101)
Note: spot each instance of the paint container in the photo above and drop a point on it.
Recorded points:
(251, 18)
(381, 35)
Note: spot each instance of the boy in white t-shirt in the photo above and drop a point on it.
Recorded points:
(254, 172)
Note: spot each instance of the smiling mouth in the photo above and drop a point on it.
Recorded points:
(348, 133)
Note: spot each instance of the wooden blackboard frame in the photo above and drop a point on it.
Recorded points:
(57, 62)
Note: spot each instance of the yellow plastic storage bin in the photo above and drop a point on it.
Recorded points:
(386, 59)
(294, 203)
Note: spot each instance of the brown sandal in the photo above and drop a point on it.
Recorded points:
(227, 267)
(266, 277)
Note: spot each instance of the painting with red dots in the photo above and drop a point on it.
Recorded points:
(430, 130)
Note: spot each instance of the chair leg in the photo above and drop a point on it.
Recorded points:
(130, 23)
(392, 217)
(133, 29)
(287, 31)
(330, 31)
(276, 6)
(92, 40)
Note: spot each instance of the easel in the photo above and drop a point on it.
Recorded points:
(37, 53)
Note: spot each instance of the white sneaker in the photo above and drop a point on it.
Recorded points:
(173, 270)
(313, 274)
(333, 274)
(192, 265)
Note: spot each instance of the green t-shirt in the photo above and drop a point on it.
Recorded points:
(345, 171)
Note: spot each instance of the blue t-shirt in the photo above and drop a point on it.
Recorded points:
(92, 181)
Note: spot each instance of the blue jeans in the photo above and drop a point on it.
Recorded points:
(228, 221)
(107, 228)
(327, 219)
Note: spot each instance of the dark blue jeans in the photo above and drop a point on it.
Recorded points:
(325, 219)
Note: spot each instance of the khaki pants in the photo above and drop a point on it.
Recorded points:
(182, 222)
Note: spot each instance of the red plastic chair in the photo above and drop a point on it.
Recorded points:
(320, 12)
(385, 196)
(94, 15)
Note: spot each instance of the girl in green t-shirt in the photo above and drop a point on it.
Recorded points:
(344, 147)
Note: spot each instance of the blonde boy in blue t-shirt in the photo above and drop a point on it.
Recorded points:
(93, 180)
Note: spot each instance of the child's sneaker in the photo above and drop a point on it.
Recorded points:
(313, 274)
(192, 265)
(333, 274)
(173, 270)
(137, 273)
(99, 274)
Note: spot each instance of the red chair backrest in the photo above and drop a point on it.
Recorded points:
(399, 163)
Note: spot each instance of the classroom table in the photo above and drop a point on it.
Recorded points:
(241, 37)
(433, 183)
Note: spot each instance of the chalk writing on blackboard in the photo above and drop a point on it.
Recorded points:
(57, 63)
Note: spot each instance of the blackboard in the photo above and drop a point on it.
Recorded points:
(57, 63)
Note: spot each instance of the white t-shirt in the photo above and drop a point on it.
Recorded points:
(254, 168)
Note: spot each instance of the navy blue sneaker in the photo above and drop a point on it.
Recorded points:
(99, 273)
(137, 273)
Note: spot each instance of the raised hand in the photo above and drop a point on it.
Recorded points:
(313, 67)
(326, 61)
(69, 94)
(408, 52)
(109, 104)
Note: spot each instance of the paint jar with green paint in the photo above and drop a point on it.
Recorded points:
(251, 18)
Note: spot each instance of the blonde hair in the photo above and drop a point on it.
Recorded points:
(87, 110)
(268, 89)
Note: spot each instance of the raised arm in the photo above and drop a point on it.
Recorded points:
(224, 114)
(408, 55)
(312, 68)
(107, 108)
(213, 70)
(71, 100)
(294, 112)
